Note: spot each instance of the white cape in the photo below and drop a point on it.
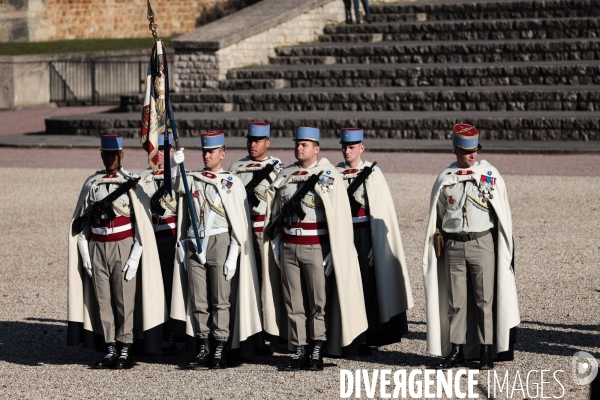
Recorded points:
(506, 307)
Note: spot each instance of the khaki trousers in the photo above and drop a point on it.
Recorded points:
(116, 297)
(477, 258)
(208, 281)
(166, 254)
(304, 281)
(362, 242)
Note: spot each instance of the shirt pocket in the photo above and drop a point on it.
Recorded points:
(454, 197)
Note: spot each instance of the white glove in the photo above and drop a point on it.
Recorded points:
(371, 259)
(328, 264)
(201, 256)
(231, 262)
(178, 156)
(276, 243)
(84, 251)
(131, 266)
(180, 248)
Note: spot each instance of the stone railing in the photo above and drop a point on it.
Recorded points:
(248, 37)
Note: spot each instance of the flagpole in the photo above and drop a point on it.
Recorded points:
(169, 109)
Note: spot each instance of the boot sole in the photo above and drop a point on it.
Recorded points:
(450, 367)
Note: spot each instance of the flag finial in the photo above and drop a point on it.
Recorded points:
(152, 26)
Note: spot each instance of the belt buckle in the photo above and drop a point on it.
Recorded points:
(298, 231)
(201, 234)
(104, 231)
(464, 236)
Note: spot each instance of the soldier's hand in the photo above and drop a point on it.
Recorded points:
(131, 266)
(231, 262)
(371, 258)
(229, 269)
(85, 256)
(328, 264)
(178, 156)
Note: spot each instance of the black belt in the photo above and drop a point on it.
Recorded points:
(465, 236)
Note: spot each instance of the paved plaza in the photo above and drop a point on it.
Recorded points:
(556, 218)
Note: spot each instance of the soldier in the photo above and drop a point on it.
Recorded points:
(470, 211)
(105, 252)
(257, 172)
(386, 285)
(164, 222)
(311, 245)
(221, 208)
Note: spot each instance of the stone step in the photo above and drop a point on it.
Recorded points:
(464, 9)
(544, 28)
(502, 98)
(503, 125)
(475, 51)
(450, 74)
(352, 38)
(250, 84)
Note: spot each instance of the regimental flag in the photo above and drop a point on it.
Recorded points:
(154, 116)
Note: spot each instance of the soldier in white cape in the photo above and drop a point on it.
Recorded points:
(386, 284)
(475, 268)
(319, 248)
(98, 276)
(227, 256)
(258, 164)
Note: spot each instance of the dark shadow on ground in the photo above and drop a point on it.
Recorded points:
(43, 341)
(38, 343)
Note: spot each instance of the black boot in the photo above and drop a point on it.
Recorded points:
(218, 359)
(267, 350)
(456, 358)
(124, 361)
(109, 359)
(364, 350)
(348, 17)
(316, 358)
(485, 357)
(299, 360)
(202, 358)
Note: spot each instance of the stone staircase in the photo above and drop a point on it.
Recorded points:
(515, 69)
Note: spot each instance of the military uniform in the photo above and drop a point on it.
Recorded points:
(311, 248)
(164, 222)
(215, 308)
(109, 251)
(386, 284)
(247, 169)
(469, 208)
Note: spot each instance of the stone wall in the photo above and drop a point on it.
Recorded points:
(43, 20)
(204, 56)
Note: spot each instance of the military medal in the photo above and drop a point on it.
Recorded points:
(326, 182)
(227, 184)
(486, 187)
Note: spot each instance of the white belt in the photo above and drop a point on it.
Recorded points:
(165, 227)
(258, 224)
(305, 232)
(104, 231)
(203, 234)
(356, 220)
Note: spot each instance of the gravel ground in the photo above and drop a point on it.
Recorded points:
(556, 227)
